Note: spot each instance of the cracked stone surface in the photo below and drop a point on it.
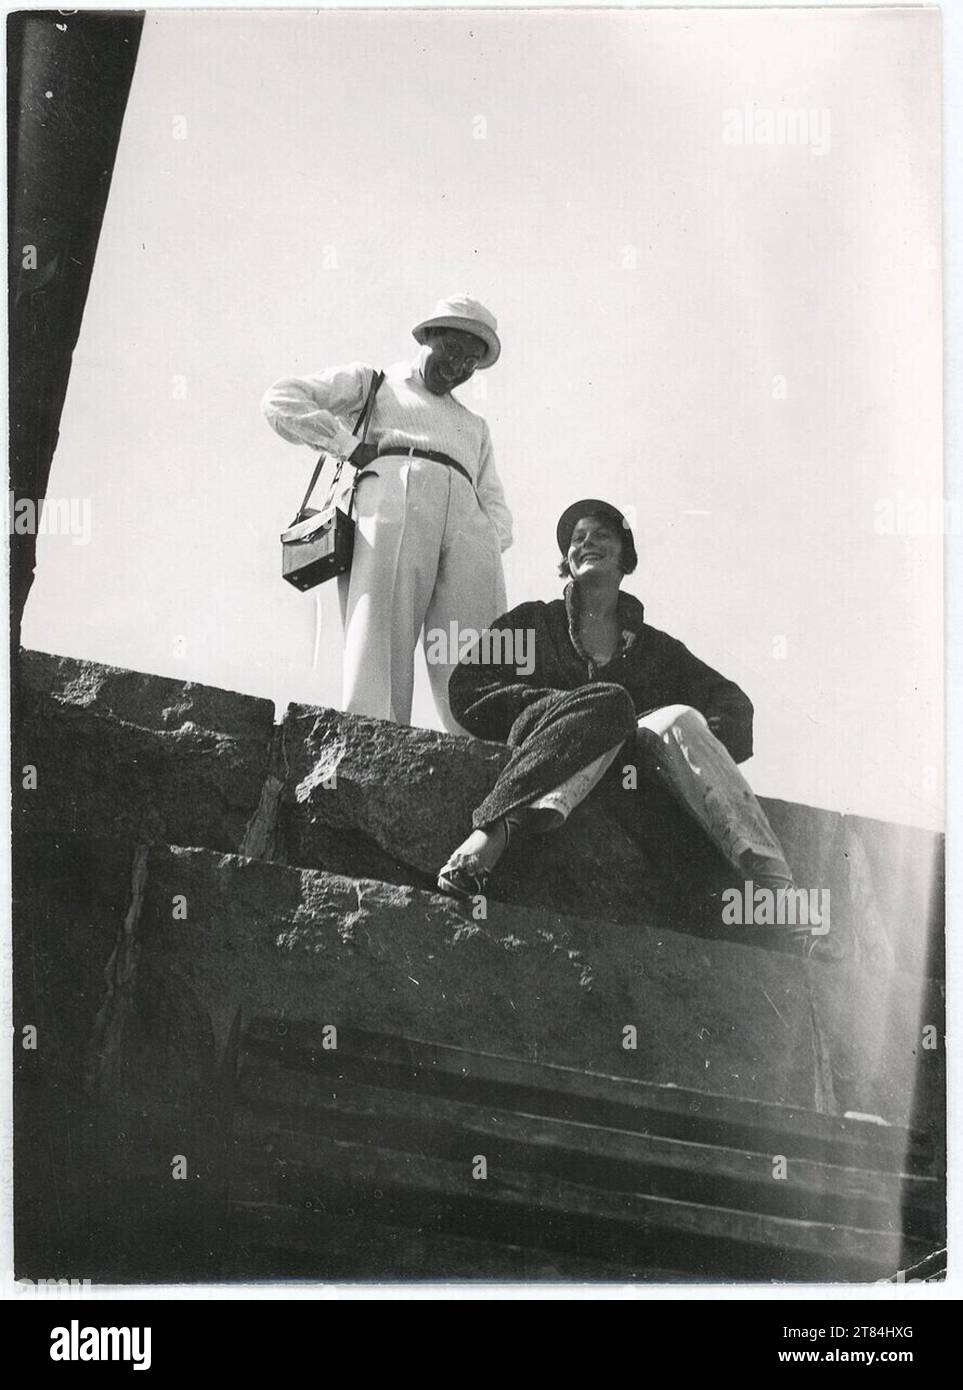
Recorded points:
(580, 926)
(408, 795)
(148, 759)
(138, 757)
(142, 937)
(306, 944)
(267, 938)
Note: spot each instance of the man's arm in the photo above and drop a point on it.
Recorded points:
(491, 494)
(312, 409)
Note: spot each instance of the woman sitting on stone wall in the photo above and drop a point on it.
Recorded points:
(601, 676)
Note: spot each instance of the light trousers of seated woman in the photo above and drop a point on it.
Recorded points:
(679, 748)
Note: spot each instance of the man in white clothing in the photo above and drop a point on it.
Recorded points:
(430, 509)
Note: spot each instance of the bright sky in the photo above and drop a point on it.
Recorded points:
(742, 341)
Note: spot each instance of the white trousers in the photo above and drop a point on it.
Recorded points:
(697, 769)
(426, 558)
(688, 758)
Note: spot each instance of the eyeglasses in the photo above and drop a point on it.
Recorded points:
(457, 351)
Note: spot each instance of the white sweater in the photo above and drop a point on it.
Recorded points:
(318, 410)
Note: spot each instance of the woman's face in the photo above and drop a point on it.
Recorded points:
(595, 549)
(452, 358)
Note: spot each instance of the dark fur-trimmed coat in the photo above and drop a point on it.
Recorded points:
(493, 701)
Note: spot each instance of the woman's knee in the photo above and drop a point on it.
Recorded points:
(614, 705)
(662, 721)
(602, 703)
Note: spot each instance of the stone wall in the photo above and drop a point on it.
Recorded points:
(182, 863)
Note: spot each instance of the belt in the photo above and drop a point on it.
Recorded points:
(432, 454)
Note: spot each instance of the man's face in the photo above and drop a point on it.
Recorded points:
(595, 548)
(452, 358)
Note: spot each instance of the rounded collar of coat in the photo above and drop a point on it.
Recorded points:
(629, 611)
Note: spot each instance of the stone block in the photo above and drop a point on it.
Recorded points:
(136, 757)
(408, 795)
(263, 938)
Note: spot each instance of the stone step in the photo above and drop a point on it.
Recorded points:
(286, 1048)
(138, 970)
(289, 1110)
(268, 1236)
(155, 915)
(412, 1119)
(631, 1229)
(149, 759)
(136, 758)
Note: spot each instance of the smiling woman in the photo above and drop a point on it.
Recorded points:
(597, 546)
(603, 681)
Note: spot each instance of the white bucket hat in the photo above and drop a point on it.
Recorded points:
(459, 311)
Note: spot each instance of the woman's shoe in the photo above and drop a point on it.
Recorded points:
(465, 876)
(462, 877)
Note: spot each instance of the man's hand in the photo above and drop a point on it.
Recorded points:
(363, 455)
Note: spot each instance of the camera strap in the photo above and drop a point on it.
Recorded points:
(362, 423)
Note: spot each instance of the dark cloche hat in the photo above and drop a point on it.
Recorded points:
(593, 506)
